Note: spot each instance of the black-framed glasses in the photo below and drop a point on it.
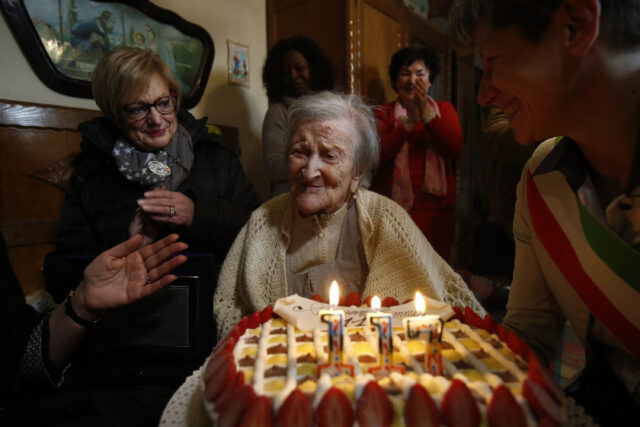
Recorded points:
(140, 110)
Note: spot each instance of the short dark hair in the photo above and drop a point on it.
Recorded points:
(319, 66)
(619, 19)
(407, 56)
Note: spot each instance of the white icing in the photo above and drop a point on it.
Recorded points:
(323, 385)
(361, 381)
(258, 373)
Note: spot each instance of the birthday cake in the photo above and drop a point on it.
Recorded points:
(276, 368)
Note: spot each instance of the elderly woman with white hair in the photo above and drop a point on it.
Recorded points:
(328, 227)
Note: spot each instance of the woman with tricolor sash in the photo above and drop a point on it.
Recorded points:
(572, 68)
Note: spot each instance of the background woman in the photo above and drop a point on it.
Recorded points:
(147, 168)
(328, 228)
(294, 67)
(420, 138)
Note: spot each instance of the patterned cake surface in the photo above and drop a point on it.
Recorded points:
(274, 363)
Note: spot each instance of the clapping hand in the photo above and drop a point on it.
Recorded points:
(424, 106)
(170, 207)
(127, 273)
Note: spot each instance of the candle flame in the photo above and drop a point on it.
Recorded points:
(334, 293)
(375, 303)
(421, 307)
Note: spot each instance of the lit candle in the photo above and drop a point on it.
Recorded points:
(335, 321)
(428, 327)
(383, 323)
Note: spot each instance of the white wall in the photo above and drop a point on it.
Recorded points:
(241, 21)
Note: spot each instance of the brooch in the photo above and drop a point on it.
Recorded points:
(159, 168)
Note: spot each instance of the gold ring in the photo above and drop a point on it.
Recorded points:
(172, 211)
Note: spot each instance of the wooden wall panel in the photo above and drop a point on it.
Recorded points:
(381, 36)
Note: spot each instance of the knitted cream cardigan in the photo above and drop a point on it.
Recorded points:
(399, 257)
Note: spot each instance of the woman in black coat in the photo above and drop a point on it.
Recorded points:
(149, 168)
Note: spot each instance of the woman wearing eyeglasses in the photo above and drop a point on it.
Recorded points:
(149, 168)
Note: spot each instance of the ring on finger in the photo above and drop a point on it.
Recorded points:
(172, 211)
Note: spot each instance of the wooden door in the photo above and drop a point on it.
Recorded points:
(381, 34)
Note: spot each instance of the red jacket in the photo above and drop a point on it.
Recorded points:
(445, 136)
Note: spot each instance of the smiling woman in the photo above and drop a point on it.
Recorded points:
(583, 184)
(294, 67)
(420, 139)
(328, 227)
(147, 168)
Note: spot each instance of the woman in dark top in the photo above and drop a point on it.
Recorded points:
(149, 168)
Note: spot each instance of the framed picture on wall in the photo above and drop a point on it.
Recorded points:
(63, 40)
(238, 63)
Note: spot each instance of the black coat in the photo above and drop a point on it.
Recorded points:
(100, 203)
(17, 320)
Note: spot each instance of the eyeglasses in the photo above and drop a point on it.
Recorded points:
(140, 110)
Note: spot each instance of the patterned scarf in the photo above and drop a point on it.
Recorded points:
(171, 164)
(435, 178)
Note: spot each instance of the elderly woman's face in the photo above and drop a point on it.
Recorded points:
(321, 167)
(155, 130)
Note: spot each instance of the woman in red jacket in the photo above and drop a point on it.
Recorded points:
(420, 137)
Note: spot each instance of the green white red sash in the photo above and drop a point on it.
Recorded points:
(601, 267)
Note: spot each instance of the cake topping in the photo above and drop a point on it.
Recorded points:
(521, 364)
(461, 364)
(253, 339)
(275, 371)
(357, 337)
(480, 354)
(279, 357)
(367, 358)
(495, 343)
(307, 358)
(459, 334)
(506, 376)
(277, 349)
(246, 361)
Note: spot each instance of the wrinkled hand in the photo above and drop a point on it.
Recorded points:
(157, 204)
(127, 273)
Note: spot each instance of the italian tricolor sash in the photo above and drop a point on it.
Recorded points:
(601, 267)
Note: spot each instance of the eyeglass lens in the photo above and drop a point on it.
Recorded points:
(140, 110)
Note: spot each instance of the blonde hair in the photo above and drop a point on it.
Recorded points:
(123, 74)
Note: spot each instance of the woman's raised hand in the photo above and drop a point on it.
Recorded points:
(126, 273)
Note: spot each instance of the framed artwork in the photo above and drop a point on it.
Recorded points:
(63, 40)
(238, 63)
